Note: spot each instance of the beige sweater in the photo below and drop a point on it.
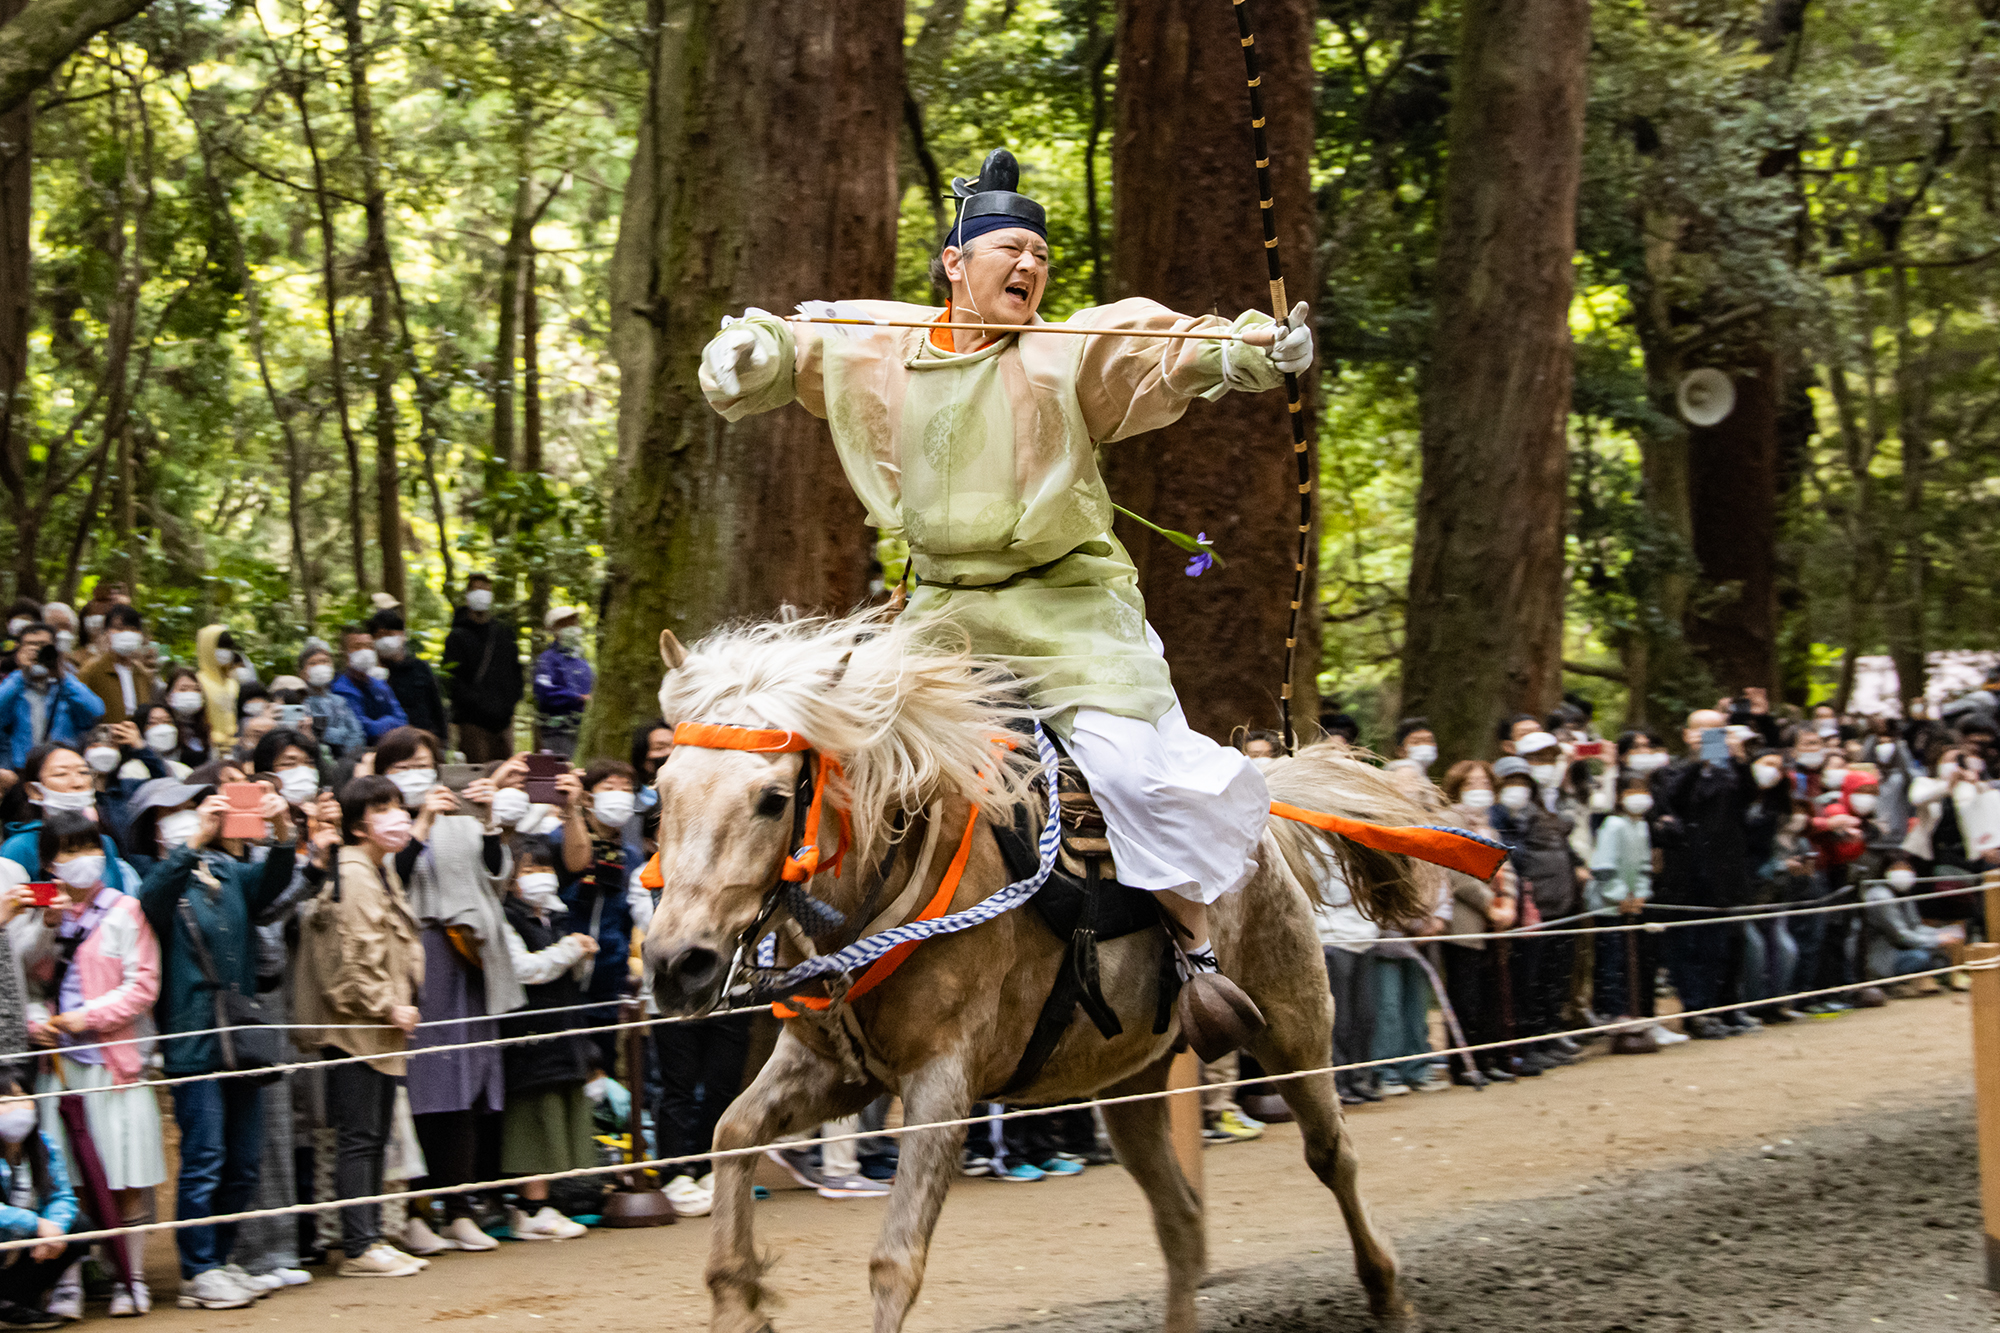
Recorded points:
(360, 955)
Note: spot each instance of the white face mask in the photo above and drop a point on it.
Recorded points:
(17, 1122)
(414, 783)
(479, 599)
(1476, 799)
(1947, 770)
(1637, 803)
(1650, 762)
(65, 641)
(299, 785)
(74, 801)
(1545, 774)
(1827, 727)
(378, 673)
(1767, 775)
(1861, 803)
(319, 675)
(161, 737)
(101, 758)
(178, 829)
(538, 890)
(1422, 754)
(224, 656)
(92, 624)
(1884, 752)
(1516, 798)
(391, 644)
(185, 702)
(509, 805)
(127, 642)
(361, 659)
(1809, 758)
(255, 708)
(83, 872)
(1901, 879)
(246, 674)
(613, 808)
(571, 638)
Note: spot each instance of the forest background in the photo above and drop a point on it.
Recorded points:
(299, 301)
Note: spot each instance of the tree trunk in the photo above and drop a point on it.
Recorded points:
(381, 309)
(16, 308)
(765, 175)
(1186, 232)
(41, 35)
(336, 361)
(531, 414)
(1906, 593)
(506, 339)
(1733, 502)
(1486, 574)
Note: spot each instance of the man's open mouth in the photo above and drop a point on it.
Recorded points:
(1017, 290)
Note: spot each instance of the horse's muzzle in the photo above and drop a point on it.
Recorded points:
(687, 979)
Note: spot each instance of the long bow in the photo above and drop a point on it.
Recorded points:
(1253, 72)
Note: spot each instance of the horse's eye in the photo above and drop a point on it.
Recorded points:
(771, 805)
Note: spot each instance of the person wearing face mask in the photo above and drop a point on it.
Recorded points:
(1472, 965)
(98, 965)
(651, 744)
(58, 779)
(411, 679)
(120, 675)
(216, 662)
(371, 701)
(1621, 868)
(160, 736)
(60, 618)
(207, 887)
(1551, 877)
(1956, 823)
(360, 969)
(455, 892)
(599, 842)
(563, 681)
(1700, 814)
(42, 700)
(482, 670)
(37, 1202)
(547, 1127)
(333, 721)
(1416, 742)
(1809, 756)
(1898, 942)
(1770, 952)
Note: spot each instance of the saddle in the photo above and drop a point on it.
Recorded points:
(1082, 904)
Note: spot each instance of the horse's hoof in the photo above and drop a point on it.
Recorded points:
(1397, 1315)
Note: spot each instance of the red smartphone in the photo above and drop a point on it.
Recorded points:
(44, 894)
(1592, 749)
(543, 770)
(243, 819)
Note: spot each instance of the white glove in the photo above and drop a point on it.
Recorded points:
(730, 353)
(1293, 352)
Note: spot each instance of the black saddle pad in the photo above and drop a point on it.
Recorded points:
(1121, 909)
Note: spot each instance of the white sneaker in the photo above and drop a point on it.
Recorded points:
(126, 1304)
(418, 1238)
(1393, 1088)
(525, 1227)
(261, 1283)
(465, 1233)
(689, 1198)
(292, 1277)
(407, 1257)
(562, 1228)
(1666, 1036)
(380, 1260)
(66, 1299)
(213, 1290)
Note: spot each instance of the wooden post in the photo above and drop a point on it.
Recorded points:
(1184, 1115)
(1986, 1082)
(1991, 879)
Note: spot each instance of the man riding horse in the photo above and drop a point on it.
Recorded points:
(980, 450)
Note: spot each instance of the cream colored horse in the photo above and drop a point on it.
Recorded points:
(914, 732)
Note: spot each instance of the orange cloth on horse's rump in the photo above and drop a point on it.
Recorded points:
(1462, 852)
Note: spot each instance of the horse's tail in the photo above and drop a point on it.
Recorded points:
(1387, 887)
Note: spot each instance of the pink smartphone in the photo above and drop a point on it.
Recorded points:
(243, 819)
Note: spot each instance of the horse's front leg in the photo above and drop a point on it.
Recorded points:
(795, 1089)
(924, 1172)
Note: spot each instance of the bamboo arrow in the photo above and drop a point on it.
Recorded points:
(1262, 336)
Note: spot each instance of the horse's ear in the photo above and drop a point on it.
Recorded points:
(671, 651)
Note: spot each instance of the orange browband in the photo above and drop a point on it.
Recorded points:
(714, 736)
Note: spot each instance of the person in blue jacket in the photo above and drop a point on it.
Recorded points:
(563, 681)
(366, 692)
(36, 1203)
(58, 778)
(42, 699)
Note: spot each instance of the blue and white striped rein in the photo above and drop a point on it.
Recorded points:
(865, 951)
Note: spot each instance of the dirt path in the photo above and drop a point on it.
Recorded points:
(1009, 1253)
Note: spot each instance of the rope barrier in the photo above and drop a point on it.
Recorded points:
(653, 1164)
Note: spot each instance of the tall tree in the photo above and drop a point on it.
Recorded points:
(381, 306)
(1186, 233)
(17, 297)
(1486, 575)
(765, 175)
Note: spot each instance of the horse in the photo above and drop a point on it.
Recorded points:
(911, 725)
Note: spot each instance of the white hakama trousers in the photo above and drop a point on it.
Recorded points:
(1183, 814)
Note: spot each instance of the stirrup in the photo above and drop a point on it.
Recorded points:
(1217, 1017)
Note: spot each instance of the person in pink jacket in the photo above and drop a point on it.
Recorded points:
(99, 972)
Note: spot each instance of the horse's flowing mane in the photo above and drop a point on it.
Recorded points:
(910, 716)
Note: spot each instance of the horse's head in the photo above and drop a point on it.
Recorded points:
(907, 722)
